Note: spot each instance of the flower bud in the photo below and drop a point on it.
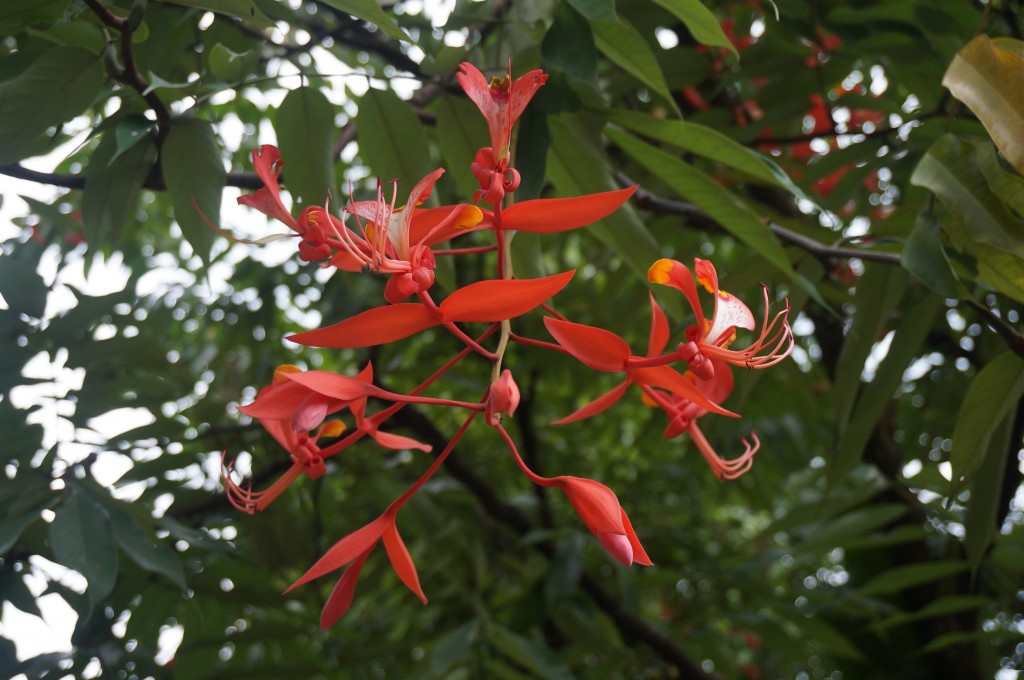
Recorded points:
(503, 397)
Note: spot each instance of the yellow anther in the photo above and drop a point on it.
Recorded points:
(659, 271)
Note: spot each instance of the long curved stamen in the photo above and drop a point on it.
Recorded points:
(776, 335)
(726, 469)
(249, 501)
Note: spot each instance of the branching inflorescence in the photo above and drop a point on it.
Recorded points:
(300, 408)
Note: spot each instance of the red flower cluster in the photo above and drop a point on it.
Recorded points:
(302, 409)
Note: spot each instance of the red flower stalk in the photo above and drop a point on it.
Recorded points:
(597, 506)
(710, 338)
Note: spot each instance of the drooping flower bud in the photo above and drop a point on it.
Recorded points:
(502, 398)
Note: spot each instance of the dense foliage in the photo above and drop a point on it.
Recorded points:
(862, 159)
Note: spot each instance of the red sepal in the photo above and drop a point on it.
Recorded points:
(372, 327)
(552, 215)
(497, 300)
(402, 562)
(341, 597)
(344, 551)
(599, 405)
(600, 349)
(668, 378)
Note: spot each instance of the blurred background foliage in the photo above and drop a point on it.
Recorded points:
(828, 149)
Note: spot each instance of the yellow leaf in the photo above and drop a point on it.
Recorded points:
(988, 76)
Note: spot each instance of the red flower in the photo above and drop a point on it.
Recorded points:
(605, 351)
(501, 101)
(599, 509)
(710, 338)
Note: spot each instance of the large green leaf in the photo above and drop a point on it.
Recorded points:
(22, 287)
(370, 10)
(988, 76)
(991, 397)
(596, 10)
(905, 345)
(195, 177)
(305, 131)
(81, 539)
(879, 290)
(55, 88)
(15, 12)
(910, 575)
(461, 132)
(724, 206)
(982, 522)
(156, 557)
(112, 182)
(982, 225)
(569, 45)
(707, 142)
(392, 140)
(924, 257)
(700, 21)
(246, 10)
(577, 166)
(627, 48)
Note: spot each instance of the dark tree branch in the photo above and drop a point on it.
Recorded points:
(129, 74)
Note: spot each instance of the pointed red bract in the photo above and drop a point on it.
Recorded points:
(344, 551)
(552, 215)
(402, 562)
(497, 300)
(599, 405)
(595, 347)
(372, 327)
(599, 508)
(341, 597)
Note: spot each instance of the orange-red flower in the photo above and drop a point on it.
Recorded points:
(501, 101)
(385, 242)
(710, 338)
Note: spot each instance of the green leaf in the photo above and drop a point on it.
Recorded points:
(129, 132)
(10, 530)
(17, 13)
(577, 166)
(22, 287)
(596, 10)
(461, 132)
(940, 607)
(982, 225)
(569, 45)
(724, 206)
(874, 398)
(991, 397)
(626, 47)
(112, 182)
(988, 76)
(245, 10)
(392, 140)
(538, 658)
(453, 647)
(230, 65)
(305, 129)
(815, 629)
(924, 257)
(195, 179)
(700, 21)
(370, 11)
(982, 522)
(836, 532)
(910, 575)
(81, 539)
(879, 289)
(707, 142)
(156, 557)
(55, 88)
